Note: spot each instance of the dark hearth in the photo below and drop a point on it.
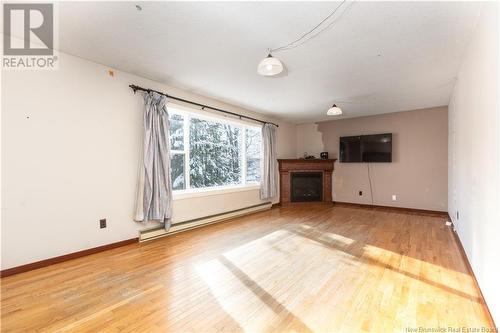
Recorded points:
(307, 186)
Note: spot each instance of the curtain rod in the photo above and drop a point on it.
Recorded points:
(203, 106)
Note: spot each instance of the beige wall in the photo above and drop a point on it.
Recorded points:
(70, 145)
(474, 153)
(418, 173)
(309, 140)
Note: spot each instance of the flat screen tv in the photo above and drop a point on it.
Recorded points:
(366, 148)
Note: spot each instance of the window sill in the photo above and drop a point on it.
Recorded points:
(193, 193)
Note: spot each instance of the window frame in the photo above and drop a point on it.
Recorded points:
(187, 114)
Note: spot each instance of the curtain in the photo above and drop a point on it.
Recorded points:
(269, 182)
(154, 190)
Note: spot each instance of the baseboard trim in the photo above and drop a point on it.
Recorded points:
(159, 232)
(392, 208)
(65, 257)
(471, 272)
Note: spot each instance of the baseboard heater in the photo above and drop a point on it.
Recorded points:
(153, 233)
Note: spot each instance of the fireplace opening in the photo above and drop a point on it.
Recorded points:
(306, 186)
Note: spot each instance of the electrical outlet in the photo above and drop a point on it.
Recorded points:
(394, 197)
(360, 193)
(102, 223)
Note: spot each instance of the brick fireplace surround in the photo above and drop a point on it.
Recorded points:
(288, 166)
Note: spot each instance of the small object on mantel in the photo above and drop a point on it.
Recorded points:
(324, 155)
(307, 157)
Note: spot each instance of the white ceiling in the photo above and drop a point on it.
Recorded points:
(379, 57)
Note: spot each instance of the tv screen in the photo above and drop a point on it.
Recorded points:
(350, 149)
(366, 148)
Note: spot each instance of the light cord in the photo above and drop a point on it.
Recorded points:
(294, 44)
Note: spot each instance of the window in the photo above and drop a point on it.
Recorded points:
(253, 153)
(214, 154)
(178, 157)
(207, 152)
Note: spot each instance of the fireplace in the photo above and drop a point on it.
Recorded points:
(304, 180)
(306, 186)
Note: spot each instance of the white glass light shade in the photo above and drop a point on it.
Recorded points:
(334, 111)
(270, 66)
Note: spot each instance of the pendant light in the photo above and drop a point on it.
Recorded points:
(334, 111)
(270, 66)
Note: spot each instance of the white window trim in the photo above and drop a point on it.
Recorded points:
(187, 113)
(210, 191)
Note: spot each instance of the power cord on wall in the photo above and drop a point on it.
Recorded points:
(370, 181)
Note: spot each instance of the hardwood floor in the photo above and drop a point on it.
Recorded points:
(295, 269)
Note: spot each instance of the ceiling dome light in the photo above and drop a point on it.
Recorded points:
(334, 111)
(270, 66)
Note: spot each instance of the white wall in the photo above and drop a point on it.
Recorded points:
(70, 145)
(474, 155)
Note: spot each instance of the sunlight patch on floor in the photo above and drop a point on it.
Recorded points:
(266, 278)
(449, 280)
(234, 297)
(272, 272)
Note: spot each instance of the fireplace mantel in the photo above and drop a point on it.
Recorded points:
(288, 166)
